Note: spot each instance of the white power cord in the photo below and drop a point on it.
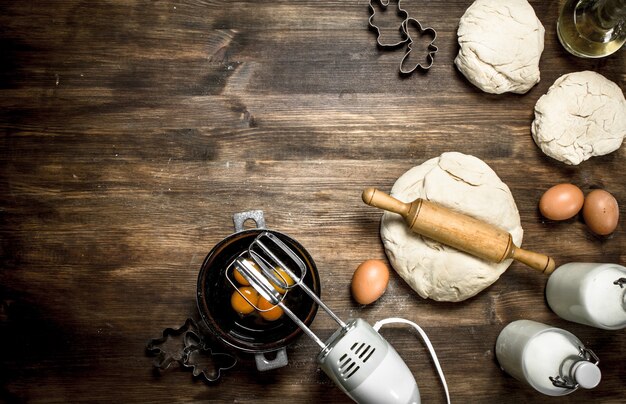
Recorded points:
(422, 334)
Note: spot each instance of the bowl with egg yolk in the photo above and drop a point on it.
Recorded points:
(232, 321)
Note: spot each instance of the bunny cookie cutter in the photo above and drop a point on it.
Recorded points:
(405, 36)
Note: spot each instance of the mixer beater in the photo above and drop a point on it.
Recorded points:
(356, 357)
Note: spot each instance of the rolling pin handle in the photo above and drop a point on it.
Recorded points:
(537, 261)
(377, 199)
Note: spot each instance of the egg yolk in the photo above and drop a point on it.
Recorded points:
(267, 310)
(239, 277)
(239, 304)
(285, 278)
(273, 313)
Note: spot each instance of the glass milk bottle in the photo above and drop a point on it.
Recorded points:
(549, 359)
(590, 294)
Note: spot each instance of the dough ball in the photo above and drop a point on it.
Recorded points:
(468, 185)
(582, 115)
(501, 43)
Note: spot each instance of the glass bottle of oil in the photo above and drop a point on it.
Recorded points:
(592, 28)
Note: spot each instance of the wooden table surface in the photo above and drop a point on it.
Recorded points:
(133, 130)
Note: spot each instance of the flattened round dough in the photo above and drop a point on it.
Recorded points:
(463, 183)
(501, 44)
(582, 115)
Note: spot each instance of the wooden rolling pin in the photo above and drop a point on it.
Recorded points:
(457, 230)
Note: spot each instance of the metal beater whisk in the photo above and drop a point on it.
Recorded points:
(269, 254)
(356, 357)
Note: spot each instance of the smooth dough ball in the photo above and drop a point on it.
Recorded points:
(582, 115)
(468, 185)
(501, 43)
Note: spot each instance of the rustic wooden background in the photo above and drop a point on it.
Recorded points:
(133, 130)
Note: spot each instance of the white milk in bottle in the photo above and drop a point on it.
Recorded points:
(551, 360)
(590, 294)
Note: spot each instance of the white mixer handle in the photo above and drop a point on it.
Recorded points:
(422, 334)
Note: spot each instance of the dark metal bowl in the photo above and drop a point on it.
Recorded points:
(251, 333)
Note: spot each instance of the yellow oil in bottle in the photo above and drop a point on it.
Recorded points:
(592, 28)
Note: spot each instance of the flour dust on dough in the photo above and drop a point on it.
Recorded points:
(582, 115)
(501, 42)
(468, 185)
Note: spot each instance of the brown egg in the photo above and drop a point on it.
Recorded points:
(601, 212)
(561, 202)
(369, 281)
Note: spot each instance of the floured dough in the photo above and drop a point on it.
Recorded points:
(468, 185)
(501, 43)
(582, 115)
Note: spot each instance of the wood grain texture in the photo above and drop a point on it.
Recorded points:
(133, 130)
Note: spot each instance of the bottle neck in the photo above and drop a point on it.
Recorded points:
(568, 377)
(566, 374)
(609, 13)
(600, 20)
(621, 282)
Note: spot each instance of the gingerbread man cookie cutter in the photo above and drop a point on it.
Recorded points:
(432, 49)
(188, 348)
(405, 36)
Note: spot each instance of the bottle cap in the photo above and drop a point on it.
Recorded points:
(586, 374)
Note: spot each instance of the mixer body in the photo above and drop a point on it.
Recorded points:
(356, 357)
(366, 367)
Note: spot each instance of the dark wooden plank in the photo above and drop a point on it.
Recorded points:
(133, 130)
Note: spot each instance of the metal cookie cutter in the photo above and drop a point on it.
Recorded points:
(171, 346)
(201, 359)
(404, 29)
(432, 49)
(185, 346)
(400, 12)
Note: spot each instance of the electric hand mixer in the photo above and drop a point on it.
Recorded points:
(356, 357)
